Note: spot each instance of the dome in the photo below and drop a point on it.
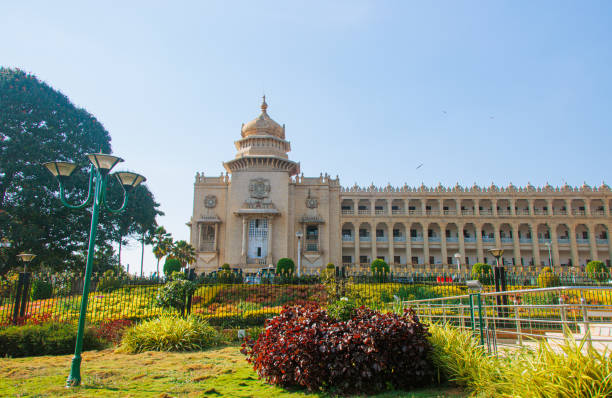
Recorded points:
(263, 124)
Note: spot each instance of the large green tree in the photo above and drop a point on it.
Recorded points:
(39, 124)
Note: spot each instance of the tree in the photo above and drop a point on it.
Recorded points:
(171, 265)
(285, 266)
(39, 124)
(597, 270)
(162, 244)
(184, 252)
(482, 272)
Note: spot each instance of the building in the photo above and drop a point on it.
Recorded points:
(251, 216)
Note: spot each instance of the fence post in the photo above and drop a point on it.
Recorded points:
(563, 316)
(517, 318)
(472, 318)
(585, 318)
(480, 320)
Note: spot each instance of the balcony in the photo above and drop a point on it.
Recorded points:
(602, 241)
(577, 212)
(434, 239)
(598, 213)
(563, 240)
(452, 239)
(540, 212)
(416, 239)
(397, 211)
(365, 239)
(312, 247)
(525, 240)
(450, 212)
(506, 240)
(470, 240)
(414, 212)
(544, 240)
(503, 212)
(467, 212)
(380, 211)
(348, 211)
(559, 212)
(432, 212)
(207, 246)
(582, 241)
(486, 212)
(363, 211)
(488, 239)
(382, 239)
(523, 212)
(399, 239)
(347, 238)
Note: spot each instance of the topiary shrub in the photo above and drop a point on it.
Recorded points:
(109, 282)
(547, 278)
(379, 267)
(41, 290)
(341, 310)
(175, 293)
(305, 347)
(285, 267)
(46, 339)
(482, 272)
(597, 270)
(171, 265)
(170, 333)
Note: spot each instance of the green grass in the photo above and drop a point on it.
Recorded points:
(216, 372)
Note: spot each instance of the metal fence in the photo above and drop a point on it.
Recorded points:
(522, 317)
(242, 301)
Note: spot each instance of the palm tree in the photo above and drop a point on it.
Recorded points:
(162, 244)
(184, 252)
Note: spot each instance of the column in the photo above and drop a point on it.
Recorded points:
(408, 246)
(479, 251)
(269, 258)
(426, 245)
(512, 207)
(443, 243)
(497, 230)
(534, 241)
(461, 244)
(391, 248)
(609, 246)
(494, 207)
(593, 242)
(476, 207)
(549, 203)
(568, 207)
(554, 246)
(216, 246)
(606, 208)
(458, 207)
(244, 237)
(573, 245)
(423, 206)
(373, 240)
(517, 245)
(587, 207)
(357, 251)
(530, 203)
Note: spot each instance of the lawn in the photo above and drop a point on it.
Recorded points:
(217, 372)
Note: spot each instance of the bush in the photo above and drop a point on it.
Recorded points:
(112, 331)
(109, 282)
(482, 272)
(341, 310)
(47, 339)
(304, 347)
(171, 265)
(379, 267)
(170, 333)
(285, 267)
(547, 278)
(41, 290)
(174, 294)
(597, 270)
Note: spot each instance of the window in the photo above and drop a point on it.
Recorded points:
(347, 259)
(378, 207)
(346, 208)
(364, 233)
(397, 260)
(394, 207)
(413, 233)
(415, 260)
(449, 260)
(411, 208)
(432, 260)
(347, 232)
(363, 207)
(396, 233)
(430, 233)
(381, 257)
(363, 259)
(259, 252)
(312, 232)
(380, 233)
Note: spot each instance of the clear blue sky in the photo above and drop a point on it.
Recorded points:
(502, 91)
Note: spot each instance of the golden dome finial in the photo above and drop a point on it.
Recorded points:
(264, 105)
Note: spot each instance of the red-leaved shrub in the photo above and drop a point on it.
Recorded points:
(112, 331)
(304, 347)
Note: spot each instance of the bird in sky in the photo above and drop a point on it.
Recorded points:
(419, 166)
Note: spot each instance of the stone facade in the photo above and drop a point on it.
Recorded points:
(249, 217)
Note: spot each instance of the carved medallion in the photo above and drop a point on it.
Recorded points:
(210, 201)
(259, 188)
(311, 203)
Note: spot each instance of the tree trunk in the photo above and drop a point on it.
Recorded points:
(142, 253)
(157, 269)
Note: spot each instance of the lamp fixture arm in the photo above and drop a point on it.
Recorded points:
(64, 200)
(105, 204)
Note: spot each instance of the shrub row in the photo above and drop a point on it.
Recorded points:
(46, 339)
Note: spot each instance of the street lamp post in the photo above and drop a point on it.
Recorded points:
(458, 258)
(101, 165)
(26, 258)
(500, 282)
(299, 235)
(548, 244)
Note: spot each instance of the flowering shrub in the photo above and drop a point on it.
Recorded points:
(304, 347)
(112, 331)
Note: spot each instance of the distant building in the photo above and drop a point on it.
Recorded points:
(249, 217)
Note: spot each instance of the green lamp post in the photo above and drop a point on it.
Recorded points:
(101, 165)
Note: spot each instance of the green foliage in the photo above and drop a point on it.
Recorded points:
(41, 289)
(183, 252)
(226, 267)
(39, 124)
(162, 244)
(285, 267)
(547, 278)
(174, 294)
(170, 333)
(597, 270)
(171, 265)
(341, 310)
(482, 272)
(565, 371)
(46, 339)
(109, 282)
(238, 320)
(226, 275)
(379, 267)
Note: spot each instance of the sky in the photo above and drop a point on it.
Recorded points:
(476, 91)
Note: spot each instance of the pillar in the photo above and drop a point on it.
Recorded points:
(593, 242)
(391, 242)
(357, 251)
(244, 237)
(531, 212)
(573, 245)
(479, 250)
(554, 246)
(443, 243)
(269, 258)
(216, 246)
(408, 245)
(461, 243)
(534, 241)
(517, 245)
